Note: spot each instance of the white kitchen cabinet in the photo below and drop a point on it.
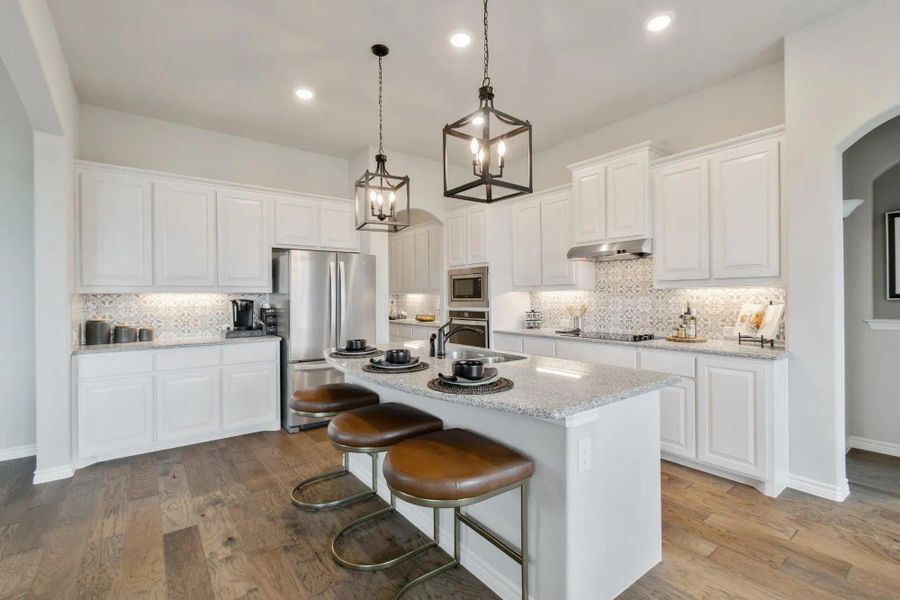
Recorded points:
(187, 403)
(114, 413)
(395, 264)
(421, 247)
(245, 252)
(539, 346)
(247, 392)
(589, 204)
(526, 250)
(408, 262)
(184, 242)
(745, 206)
(338, 226)
(627, 198)
(415, 260)
(476, 233)
(681, 216)
(456, 239)
(601, 354)
(115, 225)
(504, 342)
(297, 222)
(436, 273)
(678, 418)
(731, 411)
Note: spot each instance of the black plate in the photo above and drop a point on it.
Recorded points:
(383, 364)
(490, 374)
(365, 350)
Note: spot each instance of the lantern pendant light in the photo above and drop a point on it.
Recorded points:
(487, 141)
(382, 199)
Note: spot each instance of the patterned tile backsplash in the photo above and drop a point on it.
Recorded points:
(172, 316)
(416, 304)
(625, 300)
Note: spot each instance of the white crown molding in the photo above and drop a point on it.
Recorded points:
(883, 324)
(860, 443)
(749, 138)
(17, 452)
(649, 146)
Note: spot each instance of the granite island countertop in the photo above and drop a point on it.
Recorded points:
(718, 347)
(171, 343)
(546, 388)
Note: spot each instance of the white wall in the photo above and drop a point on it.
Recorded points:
(17, 429)
(120, 138)
(842, 79)
(745, 104)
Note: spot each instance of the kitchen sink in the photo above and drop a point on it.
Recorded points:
(484, 356)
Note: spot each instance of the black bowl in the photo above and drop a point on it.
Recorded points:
(397, 356)
(354, 345)
(469, 369)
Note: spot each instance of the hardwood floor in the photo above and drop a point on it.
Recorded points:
(213, 521)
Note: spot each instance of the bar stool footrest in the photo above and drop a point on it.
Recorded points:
(423, 578)
(331, 503)
(374, 566)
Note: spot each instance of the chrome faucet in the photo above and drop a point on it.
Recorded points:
(442, 336)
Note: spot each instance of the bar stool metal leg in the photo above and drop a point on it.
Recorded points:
(344, 470)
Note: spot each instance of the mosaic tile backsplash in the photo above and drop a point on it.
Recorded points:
(625, 300)
(172, 316)
(417, 304)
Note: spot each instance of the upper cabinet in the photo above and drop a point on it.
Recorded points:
(415, 259)
(611, 196)
(717, 213)
(141, 231)
(467, 237)
(541, 238)
(115, 225)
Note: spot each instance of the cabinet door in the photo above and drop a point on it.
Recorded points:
(297, 222)
(539, 346)
(556, 236)
(408, 262)
(526, 244)
(731, 412)
(600, 354)
(250, 394)
(184, 218)
(421, 260)
(589, 209)
(187, 403)
(338, 226)
(456, 240)
(681, 217)
(476, 221)
(245, 255)
(435, 258)
(627, 210)
(503, 342)
(394, 333)
(678, 418)
(114, 414)
(395, 249)
(115, 227)
(745, 211)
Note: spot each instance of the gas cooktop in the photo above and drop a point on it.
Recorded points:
(608, 335)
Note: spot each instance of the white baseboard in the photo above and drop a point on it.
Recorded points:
(838, 493)
(873, 446)
(17, 452)
(53, 474)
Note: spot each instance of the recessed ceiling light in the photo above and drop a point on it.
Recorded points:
(460, 39)
(304, 93)
(659, 22)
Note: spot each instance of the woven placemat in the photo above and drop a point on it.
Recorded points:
(372, 354)
(501, 385)
(373, 369)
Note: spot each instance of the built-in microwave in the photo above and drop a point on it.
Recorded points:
(468, 288)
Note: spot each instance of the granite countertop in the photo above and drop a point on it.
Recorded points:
(718, 347)
(173, 343)
(435, 323)
(546, 388)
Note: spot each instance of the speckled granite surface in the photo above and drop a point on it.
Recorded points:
(719, 347)
(548, 388)
(176, 343)
(415, 323)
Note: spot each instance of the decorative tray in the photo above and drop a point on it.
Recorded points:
(686, 340)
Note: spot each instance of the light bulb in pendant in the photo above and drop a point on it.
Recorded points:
(372, 196)
(501, 149)
(481, 156)
(478, 121)
(473, 146)
(380, 200)
(392, 197)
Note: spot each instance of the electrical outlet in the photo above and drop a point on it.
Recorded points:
(585, 454)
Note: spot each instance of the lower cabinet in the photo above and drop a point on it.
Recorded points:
(677, 419)
(133, 402)
(410, 333)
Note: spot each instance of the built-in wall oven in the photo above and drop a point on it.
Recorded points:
(470, 319)
(468, 288)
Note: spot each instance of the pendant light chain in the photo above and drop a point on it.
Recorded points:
(487, 79)
(380, 111)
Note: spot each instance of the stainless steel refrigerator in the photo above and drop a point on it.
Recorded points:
(321, 300)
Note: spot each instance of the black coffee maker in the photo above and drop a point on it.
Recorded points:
(242, 315)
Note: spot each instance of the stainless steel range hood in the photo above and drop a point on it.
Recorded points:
(613, 250)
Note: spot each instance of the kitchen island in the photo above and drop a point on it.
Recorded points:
(594, 500)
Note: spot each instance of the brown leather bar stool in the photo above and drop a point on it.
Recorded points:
(325, 401)
(370, 430)
(456, 468)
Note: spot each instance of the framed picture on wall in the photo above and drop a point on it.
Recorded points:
(892, 233)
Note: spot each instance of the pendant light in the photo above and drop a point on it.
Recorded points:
(487, 141)
(382, 199)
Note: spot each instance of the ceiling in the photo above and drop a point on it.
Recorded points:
(568, 66)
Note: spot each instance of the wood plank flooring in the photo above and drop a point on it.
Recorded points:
(213, 521)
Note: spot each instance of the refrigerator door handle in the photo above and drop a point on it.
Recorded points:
(343, 292)
(332, 284)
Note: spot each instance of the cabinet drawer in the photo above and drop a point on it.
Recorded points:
(508, 343)
(668, 362)
(187, 358)
(249, 352)
(115, 364)
(539, 347)
(600, 354)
